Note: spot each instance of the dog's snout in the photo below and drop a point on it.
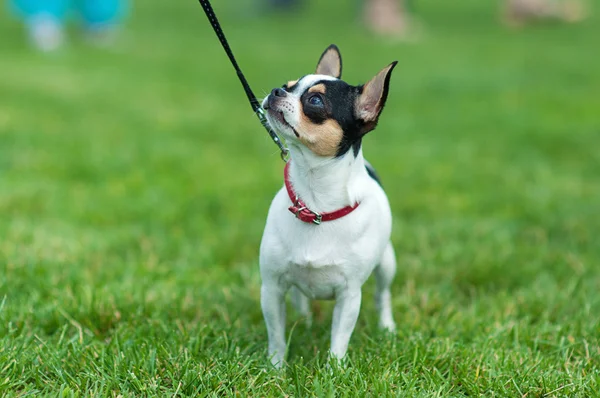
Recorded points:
(276, 95)
(278, 92)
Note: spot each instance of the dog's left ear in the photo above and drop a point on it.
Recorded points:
(371, 100)
(330, 63)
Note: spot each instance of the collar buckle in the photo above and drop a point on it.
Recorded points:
(305, 214)
(318, 219)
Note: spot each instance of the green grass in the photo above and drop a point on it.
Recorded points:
(135, 181)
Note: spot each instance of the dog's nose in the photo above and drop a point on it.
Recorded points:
(278, 92)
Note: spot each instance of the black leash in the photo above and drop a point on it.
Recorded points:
(212, 18)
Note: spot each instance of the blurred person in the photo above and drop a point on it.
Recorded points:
(45, 19)
(387, 17)
(521, 12)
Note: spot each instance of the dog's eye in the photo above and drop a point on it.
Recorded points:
(316, 100)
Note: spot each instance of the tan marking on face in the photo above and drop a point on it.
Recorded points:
(318, 88)
(323, 139)
(291, 83)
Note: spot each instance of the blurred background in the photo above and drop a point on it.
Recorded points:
(135, 180)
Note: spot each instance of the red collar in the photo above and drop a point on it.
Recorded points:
(303, 213)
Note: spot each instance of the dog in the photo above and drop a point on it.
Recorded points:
(329, 227)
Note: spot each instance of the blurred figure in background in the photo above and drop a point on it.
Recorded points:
(387, 17)
(521, 12)
(45, 19)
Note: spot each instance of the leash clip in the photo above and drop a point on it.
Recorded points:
(284, 152)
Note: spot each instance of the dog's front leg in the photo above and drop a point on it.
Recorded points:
(345, 314)
(272, 301)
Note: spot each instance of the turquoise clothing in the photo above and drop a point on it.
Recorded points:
(93, 12)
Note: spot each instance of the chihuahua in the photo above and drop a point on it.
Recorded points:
(329, 227)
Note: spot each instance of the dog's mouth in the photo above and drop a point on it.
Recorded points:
(281, 119)
(277, 115)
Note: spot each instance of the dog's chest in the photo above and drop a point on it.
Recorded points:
(322, 265)
(317, 282)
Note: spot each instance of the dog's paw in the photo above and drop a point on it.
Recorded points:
(278, 364)
(278, 361)
(334, 362)
(387, 325)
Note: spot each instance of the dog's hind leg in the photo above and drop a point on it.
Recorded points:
(302, 304)
(384, 274)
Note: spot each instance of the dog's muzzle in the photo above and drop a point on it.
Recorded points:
(273, 98)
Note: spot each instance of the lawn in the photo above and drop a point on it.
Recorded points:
(135, 182)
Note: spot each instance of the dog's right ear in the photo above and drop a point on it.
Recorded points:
(330, 63)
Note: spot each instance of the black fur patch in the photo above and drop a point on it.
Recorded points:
(373, 173)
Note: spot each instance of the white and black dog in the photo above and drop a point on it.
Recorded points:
(329, 227)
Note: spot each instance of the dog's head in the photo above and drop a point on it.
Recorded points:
(324, 113)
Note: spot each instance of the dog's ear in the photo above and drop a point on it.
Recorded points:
(373, 95)
(330, 63)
